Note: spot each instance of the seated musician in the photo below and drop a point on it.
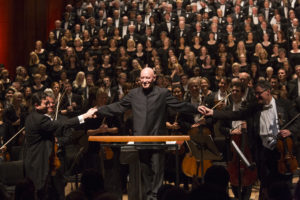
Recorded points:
(263, 125)
(5, 133)
(109, 157)
(177, 124)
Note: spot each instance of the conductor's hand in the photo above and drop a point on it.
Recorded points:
(91, 113)
(205, 111)
(236, 132)
(285, 133)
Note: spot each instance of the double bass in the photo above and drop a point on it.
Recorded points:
(240, 174)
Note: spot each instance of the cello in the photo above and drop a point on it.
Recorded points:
(190, 165)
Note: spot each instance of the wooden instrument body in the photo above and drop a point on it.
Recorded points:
(190, 165)
(248, 176)
(287, 163)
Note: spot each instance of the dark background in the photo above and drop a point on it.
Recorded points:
(22, 22)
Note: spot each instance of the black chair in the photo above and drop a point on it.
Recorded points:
(10, 174)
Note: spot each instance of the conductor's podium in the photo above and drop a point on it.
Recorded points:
(130, 145)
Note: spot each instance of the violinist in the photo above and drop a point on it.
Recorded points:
(39, 141)
(229, 128)
(62, 137)
(262, 117)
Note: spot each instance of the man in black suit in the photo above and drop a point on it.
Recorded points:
(294, 85)
(93, 29)
(39, 139)
(101, 22)
(182, 31)
(149, 104)
(168, 26)
(58, 31)
(71, 103)
(267, 11)
(131, 35)
(124, 26)
(140, 26)
(264, 119)
(67, 23)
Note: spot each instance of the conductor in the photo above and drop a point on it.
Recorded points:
(149, 107)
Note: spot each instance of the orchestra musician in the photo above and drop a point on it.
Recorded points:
(149, 104)
(262, 117)
(228, 128)
(39, 141)
(62, 137)
(177, 124)
(111, 156)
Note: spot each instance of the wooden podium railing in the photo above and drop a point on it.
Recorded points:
(146, 138)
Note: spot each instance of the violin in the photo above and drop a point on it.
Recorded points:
(287, 164)
(54, 161)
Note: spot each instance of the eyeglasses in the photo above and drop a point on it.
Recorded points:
(257, 93)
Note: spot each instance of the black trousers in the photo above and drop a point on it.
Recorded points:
(146, 172)
(152, 172)
(268, 170)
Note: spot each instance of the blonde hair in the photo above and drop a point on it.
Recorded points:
(77, 83)
(33, 58)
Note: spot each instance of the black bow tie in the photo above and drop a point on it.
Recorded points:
(267, 107)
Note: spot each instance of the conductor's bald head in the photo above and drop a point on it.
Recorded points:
(147, 78)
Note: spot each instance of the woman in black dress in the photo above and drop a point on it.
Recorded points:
(79, 50)
(212, 47)
(203, 54)
(250, 45)
(107, 66)
(294, 56)
(51, 44)
(86, 39)
(57, 68)
(140, 54)
(40, 51)
(263, 61)
(207, 69)
(190, 64)
(267, 45)
(103, 38)
(113, 50)
(196, 47)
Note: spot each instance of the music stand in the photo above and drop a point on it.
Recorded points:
(203, 148)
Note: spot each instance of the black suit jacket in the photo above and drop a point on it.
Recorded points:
(293, 89)
(149, 109)
(38, 145)
(251, 113)
(164, 27)
(75, 98)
